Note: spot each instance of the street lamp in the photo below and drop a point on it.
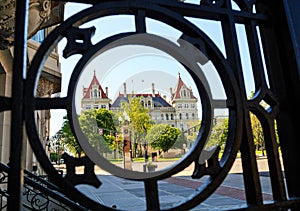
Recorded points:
(126, 141)
(120, 120)
(146, 151)
(57, 149)
(126, 118)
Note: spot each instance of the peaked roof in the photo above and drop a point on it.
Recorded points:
(179, 86)
(94, 82)
(158, 100)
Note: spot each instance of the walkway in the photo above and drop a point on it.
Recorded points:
(129, 195)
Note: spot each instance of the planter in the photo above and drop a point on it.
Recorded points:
(151, 167)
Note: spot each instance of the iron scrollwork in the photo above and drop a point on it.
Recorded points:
(192, 39)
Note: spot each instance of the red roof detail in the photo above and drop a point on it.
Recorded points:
(178, 87)
(93, 82)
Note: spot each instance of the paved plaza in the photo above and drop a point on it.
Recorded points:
(130, 195)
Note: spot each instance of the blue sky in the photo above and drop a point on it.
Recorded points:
(109, 68)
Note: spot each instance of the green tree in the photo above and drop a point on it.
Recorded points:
(219, 133)
(162, 137)
(194, 126)
(181, 140)
(104, 119)
(67, 138)
(257, 131)
(107, 121)
(90, 122)
(140, 121)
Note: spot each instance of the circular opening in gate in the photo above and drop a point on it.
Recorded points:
(139, 106)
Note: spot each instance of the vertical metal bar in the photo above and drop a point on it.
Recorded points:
(250, 170)
(276, 174)
(255, 55)
(292, 8)
(140, 21)
(292, 80)
(281, 46)
(268, 125)
(151, 190)
(15, 177)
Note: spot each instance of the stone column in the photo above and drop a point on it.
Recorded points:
(6, 62)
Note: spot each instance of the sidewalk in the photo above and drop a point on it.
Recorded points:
(129, 195)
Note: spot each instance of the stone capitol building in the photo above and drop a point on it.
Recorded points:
(180, 111)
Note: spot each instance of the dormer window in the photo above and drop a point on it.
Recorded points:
(185, 93)
(95, 92)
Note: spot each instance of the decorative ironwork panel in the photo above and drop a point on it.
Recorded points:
(195, 50)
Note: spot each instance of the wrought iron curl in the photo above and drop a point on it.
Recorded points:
(3, 177)
(37, 200)
(189, 34)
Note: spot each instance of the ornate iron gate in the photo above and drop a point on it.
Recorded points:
(271, 32)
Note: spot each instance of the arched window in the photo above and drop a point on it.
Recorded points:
(167, 116)
(172, 117)
(149, 103)
(180, 116)
(162, 117)
(95, 92)
(187, 116)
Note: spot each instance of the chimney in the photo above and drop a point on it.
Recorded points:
(106, 91)
(125, 92)
(153, 90)
(171, 93)
(83, 90)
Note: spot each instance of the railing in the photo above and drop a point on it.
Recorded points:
(37, 194)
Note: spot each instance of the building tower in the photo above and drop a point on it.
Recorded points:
(185, 104)
(94, 96)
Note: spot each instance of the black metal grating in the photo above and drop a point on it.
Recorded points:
(268, 23)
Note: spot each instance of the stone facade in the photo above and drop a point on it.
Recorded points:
(94, 96)
(181, 111)
(43, 15)
(185, 104)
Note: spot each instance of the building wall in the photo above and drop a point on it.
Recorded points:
(6, 59)
(186, 112)
(181, 113)
(49, 83)
(95, 103)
